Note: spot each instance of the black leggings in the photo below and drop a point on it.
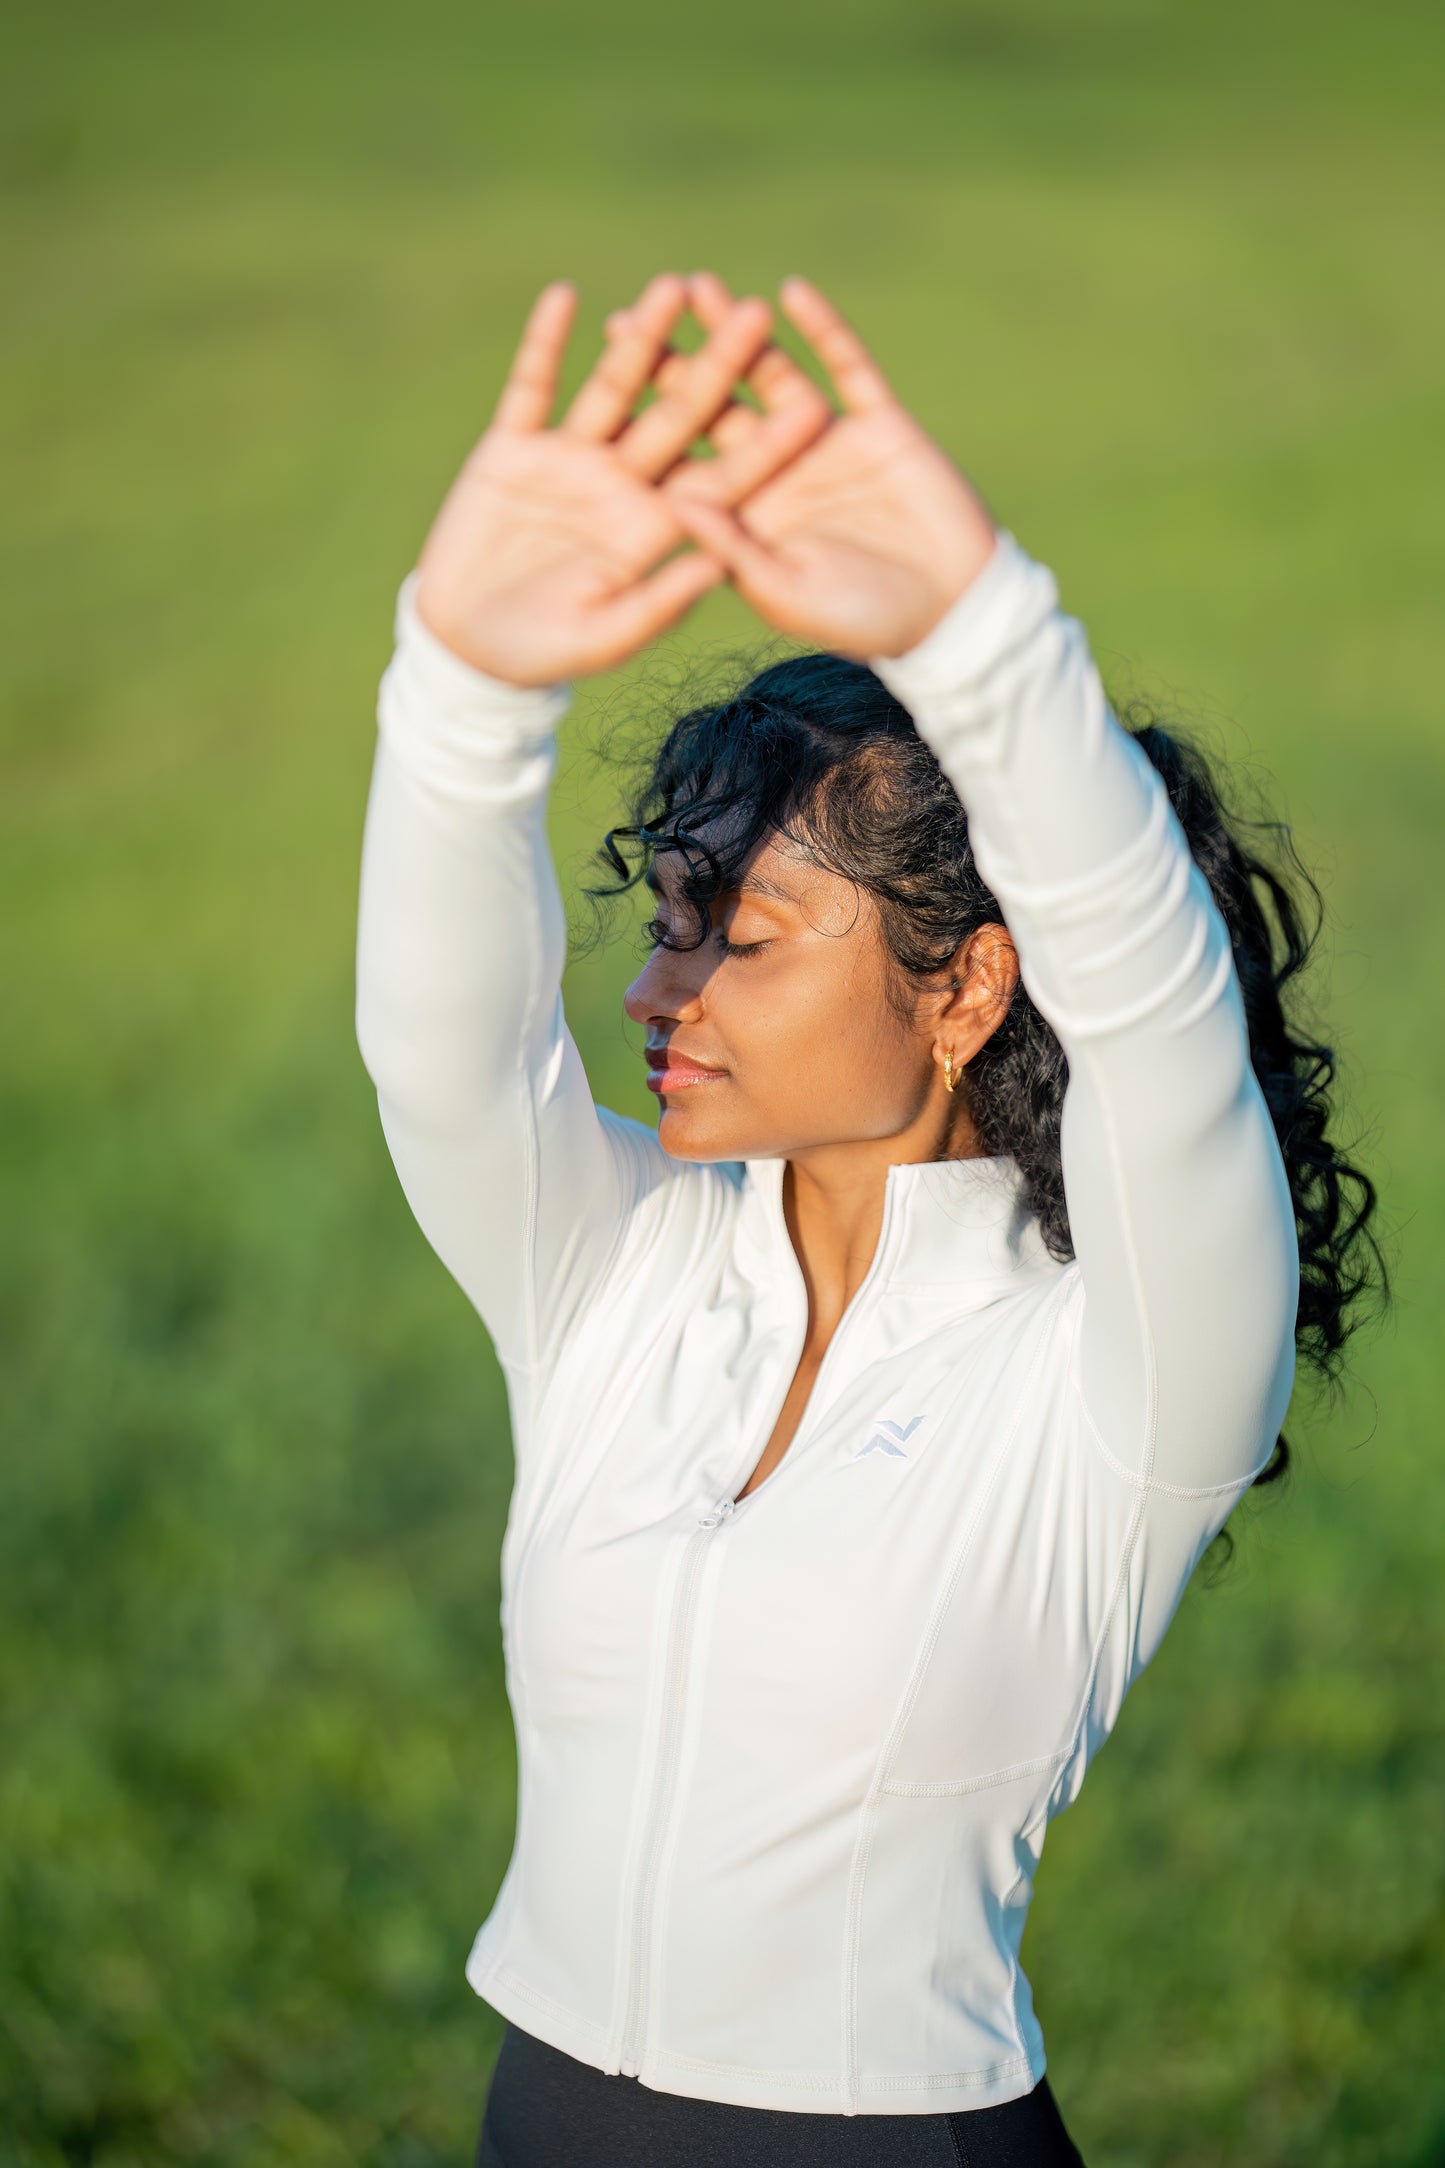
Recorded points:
(546, 2110)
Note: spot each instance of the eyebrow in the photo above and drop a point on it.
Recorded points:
(756, 884)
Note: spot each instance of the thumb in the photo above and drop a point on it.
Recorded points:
(641, 612)
(755, 570)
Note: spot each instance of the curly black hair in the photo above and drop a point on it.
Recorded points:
(815, 748)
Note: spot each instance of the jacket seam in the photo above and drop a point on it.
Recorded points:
(796, 2080)
(1141, 1313)
(527, 1993)
(1154, 1484)
(556, 1492)
(858, 1871)
(1013, 1966)
(958, 1788)
(626, 1204)
(669, 1202)
(622, 1136)
(531, 1141)
(975, 2080)
(1065, 1755)
(803, 2080)
(1040, 1817)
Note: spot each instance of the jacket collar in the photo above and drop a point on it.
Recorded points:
(959, 1224)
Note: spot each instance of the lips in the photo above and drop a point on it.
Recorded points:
(671, 1072)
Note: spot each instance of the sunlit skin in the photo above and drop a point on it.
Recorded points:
(557, 553)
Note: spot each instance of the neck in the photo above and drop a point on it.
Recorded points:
(833, 1196)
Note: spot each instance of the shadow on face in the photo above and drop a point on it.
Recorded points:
(774, 1032)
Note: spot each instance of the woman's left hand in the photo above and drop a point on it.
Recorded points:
(871, 534)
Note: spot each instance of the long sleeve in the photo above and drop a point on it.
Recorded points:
(519, 1182)
(1177, 1196)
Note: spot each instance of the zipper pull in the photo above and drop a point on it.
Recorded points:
(719, 1513)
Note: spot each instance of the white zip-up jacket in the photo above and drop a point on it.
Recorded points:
(785, 1765)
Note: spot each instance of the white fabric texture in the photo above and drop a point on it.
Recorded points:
(785, 1765)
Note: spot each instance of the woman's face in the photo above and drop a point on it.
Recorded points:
(775, 1035)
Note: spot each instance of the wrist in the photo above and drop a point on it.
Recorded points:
(1007, 597)
(968, 566)
(436, 650)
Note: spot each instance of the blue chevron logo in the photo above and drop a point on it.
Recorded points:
(889, 1438)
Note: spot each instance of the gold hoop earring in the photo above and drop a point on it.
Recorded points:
(949, 1079)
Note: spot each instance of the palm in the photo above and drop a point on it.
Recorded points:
(537, 567)
(539, 533)
(875, 531)
(863, 542)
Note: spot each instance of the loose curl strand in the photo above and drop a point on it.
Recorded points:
(814, 749)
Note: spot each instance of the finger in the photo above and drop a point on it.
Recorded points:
(774, 376)
(861, 384)
(668, 427)
(758, 451)
(733, 425)
(641, 612)
(671, 371)
(735, 420)
(531, 386)
(635, 337)
(754, 569)
(710, 296)
(797, 413)
(763, 447)
(607, 398)
(758, 446)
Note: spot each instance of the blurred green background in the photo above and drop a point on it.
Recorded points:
(1166, 278)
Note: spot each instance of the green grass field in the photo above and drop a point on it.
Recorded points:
(1166, 278)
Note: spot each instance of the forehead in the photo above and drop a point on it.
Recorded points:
(774, 868)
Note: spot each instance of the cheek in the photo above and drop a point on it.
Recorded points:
(815, 1018)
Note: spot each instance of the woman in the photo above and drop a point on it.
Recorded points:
(871, 1414)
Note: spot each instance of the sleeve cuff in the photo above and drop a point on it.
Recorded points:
(438, 680)
(1001, 607)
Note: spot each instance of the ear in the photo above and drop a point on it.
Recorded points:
(986, 970)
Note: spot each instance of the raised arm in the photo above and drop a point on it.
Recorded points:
(537, 569)
(460, 946)
(874, 544)
(1178, 1202)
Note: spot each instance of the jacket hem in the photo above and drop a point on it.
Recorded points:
(946, 2092)
(537, 2013)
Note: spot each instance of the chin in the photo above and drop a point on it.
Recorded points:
(682, 1137)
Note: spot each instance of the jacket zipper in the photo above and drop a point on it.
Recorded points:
(669, 1749)
(679, 1652)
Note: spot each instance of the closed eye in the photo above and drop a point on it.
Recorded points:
(656, 933)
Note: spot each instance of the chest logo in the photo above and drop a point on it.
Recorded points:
(889, 1438)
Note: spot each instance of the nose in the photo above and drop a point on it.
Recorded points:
(669, 986)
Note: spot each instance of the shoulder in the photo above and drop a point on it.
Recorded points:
(663, 1191)
(638, 1142)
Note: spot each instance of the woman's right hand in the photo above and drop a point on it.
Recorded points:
(539, 565)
